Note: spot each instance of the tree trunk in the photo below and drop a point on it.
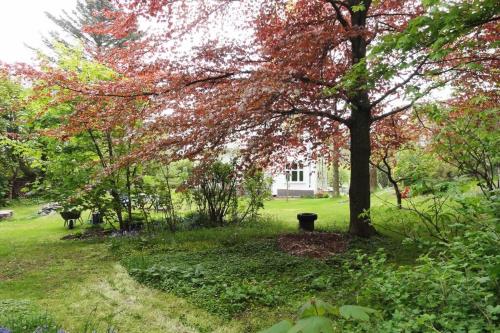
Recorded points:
(395, 185)
(398, 196)
(129, 196)
(13, 185)
(117, 206)
(373, 179)
(336, 176)
(359, 125)
(359, 190)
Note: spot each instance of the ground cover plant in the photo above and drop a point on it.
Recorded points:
(22, 316)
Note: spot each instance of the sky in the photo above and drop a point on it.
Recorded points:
(24, 22)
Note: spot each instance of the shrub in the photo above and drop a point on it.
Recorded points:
(467, 137)
(257, 188)
(421, 170)
(215, 192)
(456, 290)
(194, 220)
(446, 212)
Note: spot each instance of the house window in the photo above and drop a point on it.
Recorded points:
(295, 172)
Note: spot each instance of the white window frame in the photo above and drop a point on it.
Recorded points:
(298, 169)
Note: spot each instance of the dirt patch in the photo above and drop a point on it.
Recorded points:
(89, 233)
(313, 244)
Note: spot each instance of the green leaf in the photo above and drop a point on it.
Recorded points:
(356, 312)
(316, 307)
(281, 327)
(358, 8)
(312, 325)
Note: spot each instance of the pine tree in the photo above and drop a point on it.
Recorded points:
(86, 14)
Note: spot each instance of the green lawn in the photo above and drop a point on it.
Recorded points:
(333, 214)
(82, 282)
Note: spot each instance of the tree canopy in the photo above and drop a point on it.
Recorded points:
(294, 75)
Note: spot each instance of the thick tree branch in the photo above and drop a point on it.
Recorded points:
(150, 93)
(393, 112)
(305, 112)
(338, 12)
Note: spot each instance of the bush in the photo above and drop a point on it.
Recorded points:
(456, 290)
(257, 188)
(194, 220)
(214, 192)
(444, 213)
(422, 170)
(467, 137)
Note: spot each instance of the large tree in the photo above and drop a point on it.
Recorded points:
(295, 74)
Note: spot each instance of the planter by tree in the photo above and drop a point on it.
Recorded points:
(306, 221)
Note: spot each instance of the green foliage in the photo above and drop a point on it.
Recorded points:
(257, 188)
(421, 170)
(468, 138)
(356, 312)
(68, 171)
(445, 212)
(314, 318)
(234, 278)
(431, 37)
(441, 25)
(282, 327)
(454, 290)
(24, 317)
(20, 148)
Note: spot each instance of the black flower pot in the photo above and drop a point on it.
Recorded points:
(306, 221)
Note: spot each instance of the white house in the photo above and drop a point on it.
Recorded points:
(295, 178)
(298, 178)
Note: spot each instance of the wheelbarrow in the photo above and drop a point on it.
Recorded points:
(70, 217)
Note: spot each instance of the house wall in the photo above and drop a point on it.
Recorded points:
(296, 189)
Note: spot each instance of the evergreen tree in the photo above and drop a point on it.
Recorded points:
(87, 13)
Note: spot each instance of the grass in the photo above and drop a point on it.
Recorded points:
(333, 214)
(80, 283)
(244, 282)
